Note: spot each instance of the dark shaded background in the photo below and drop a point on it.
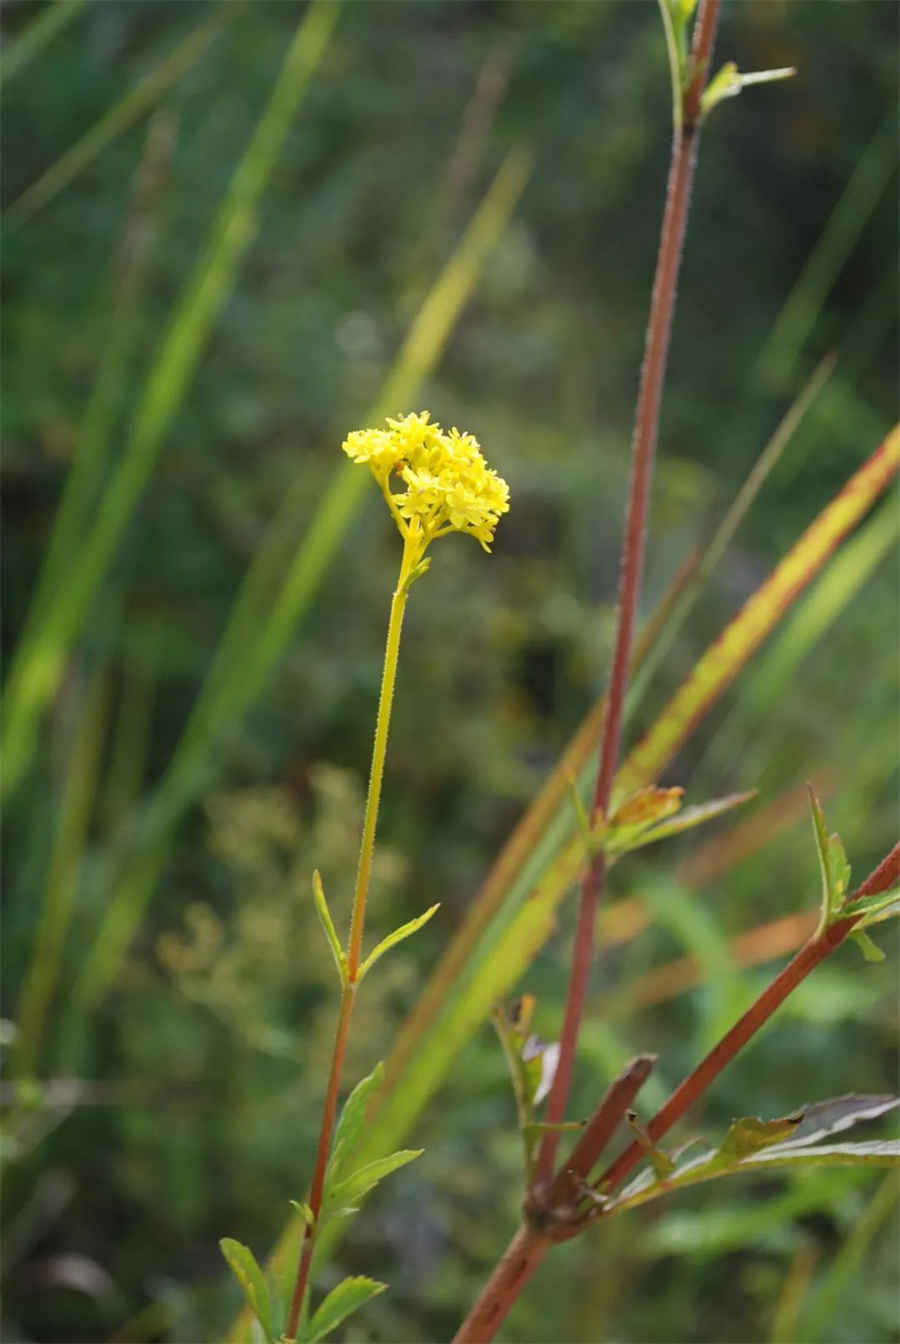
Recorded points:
(200, 1075)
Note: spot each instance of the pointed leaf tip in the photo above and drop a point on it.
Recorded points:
(398, 936)
(242, 1263)
(327, 923)
(340, 1303)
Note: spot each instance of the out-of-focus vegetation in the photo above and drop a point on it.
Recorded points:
(162, 964)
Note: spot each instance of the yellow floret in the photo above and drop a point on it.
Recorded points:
(449, 486)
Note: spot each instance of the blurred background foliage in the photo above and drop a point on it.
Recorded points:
(180, 1101)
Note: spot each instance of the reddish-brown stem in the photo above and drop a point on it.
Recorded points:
(882, 878)
(696, 1083)
(815, 950)
(605, 1120)
(659, 327)
(329, 1108)
(529, 1246)
(521, 1258)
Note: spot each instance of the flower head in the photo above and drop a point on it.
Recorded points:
(448, 485)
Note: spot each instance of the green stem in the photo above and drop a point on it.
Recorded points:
(412, 554)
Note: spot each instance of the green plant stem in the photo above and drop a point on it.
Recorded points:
(411, 554)
(659, 327)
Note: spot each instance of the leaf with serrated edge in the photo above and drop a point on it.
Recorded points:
(405, 931)
(327, 923)
(361, 1181)
(242, 1263)
(839, 1113)
(351, 1123)
(346, 1298)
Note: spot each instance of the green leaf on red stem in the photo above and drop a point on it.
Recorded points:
(346, 1298)
(833, 866)
(243, 1265)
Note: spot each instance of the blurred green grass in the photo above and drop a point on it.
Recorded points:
(214, 1032)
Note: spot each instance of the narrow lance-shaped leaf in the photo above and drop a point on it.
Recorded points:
(875, 909)
(242, 1263)
(684, 820)
(840, 1113)
(833, 866)
(327, 923)
(729, 82)
(791, 1141)
(405, 931)
(346, 1298)
(358, 1183)
(637, 814)
(351, 1123)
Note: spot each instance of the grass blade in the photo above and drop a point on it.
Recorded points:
(29, 43)
(200, 304)
(76, 803)
(118, 119)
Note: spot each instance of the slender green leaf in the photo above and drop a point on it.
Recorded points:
(711, 1165)
(833, 865)
(685, 820)
(875, 909)
(327, 923)
(358, 1183)
(249, 1275)
(351, 1122)
(346, 1298)
(304, 1211)
(398, 936)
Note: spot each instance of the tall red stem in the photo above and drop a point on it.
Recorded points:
(659, 328)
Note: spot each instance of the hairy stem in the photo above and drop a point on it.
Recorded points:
(659, 327)
(411, 552)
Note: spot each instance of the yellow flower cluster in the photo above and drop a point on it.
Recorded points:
(449, 486)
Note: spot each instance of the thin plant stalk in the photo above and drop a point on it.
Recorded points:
(659, 327)
(357, 924)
